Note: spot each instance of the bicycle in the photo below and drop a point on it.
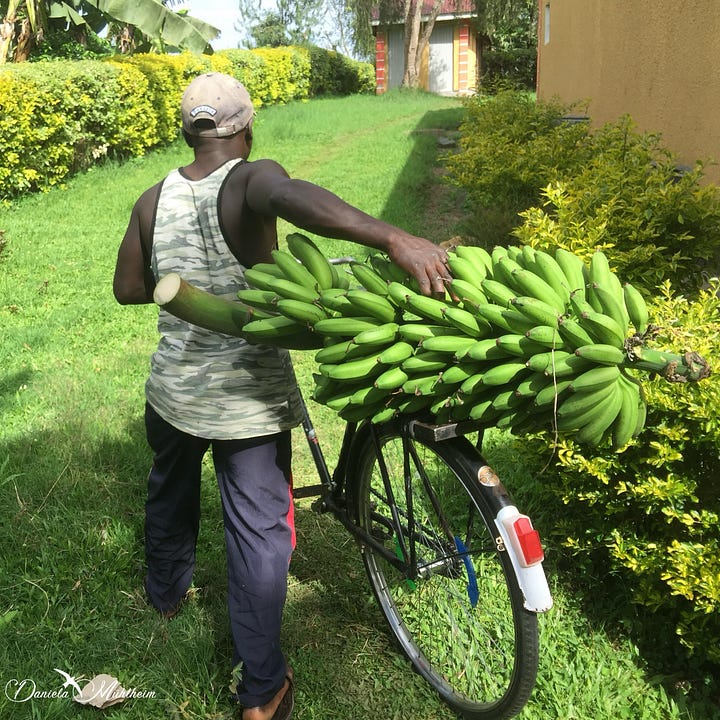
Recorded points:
(455, 567)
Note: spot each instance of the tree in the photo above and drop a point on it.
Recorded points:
(26, 22)
(299, 20)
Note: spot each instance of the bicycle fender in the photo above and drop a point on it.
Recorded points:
(521, 542)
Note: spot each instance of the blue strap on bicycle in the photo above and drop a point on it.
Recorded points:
(472, 586)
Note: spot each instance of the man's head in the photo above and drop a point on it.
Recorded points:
(216, 105)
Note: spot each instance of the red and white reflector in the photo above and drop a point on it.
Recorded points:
(528, 538)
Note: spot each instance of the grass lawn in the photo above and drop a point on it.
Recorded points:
(73, 462)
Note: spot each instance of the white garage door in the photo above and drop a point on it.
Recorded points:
(441, 59)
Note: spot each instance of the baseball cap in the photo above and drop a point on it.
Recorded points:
(215, 105)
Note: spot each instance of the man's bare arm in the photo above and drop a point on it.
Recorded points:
(271, 192)
(134, 283)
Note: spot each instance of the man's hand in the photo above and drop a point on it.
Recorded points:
(424, 260)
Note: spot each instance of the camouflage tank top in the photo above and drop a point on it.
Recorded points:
(204, 383)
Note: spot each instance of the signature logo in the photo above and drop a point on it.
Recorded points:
(101, 691)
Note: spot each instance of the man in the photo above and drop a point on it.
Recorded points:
(208, 221)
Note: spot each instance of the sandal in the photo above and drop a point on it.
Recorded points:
(285, 708)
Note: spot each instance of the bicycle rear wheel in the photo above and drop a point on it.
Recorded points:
(455, 606)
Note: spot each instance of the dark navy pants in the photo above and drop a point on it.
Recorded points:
(254, 480)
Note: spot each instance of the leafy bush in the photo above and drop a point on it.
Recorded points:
(510, 148)
(59, 117)
(629, 199)
(532, 176)
(335, 74)
(511, 69)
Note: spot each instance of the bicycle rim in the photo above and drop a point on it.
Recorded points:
(460, 617)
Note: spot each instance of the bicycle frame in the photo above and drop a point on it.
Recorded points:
(515, 534)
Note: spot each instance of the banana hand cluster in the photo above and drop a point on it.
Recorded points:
(523, 339)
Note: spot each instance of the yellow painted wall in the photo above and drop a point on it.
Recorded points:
(656, 60)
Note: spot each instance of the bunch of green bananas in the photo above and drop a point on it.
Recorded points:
(523, 339)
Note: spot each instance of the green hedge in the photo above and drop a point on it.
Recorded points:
(59, 117)
(650, 514)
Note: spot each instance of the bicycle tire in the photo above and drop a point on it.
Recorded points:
(466, 594)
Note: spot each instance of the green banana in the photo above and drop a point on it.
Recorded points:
(457, 374)
(378, 335)
(372, 305)
(421, 384)
(579, 303)
(503, 271)
(390, 379)
(396, 353)
(462, 268)
(282, 332)
(417, 332)
(335, 299)
(341, 399)
(312, 258)
(497, 292)
(636, 308)
(268, 269)
(339, 352)
(300, 310)
(369, 278)
(388, 270)
(596, 377)
(602, 328)
(564, 367)
(612, 304)
(427, 307)
(425, 362)
(449, 344)
(530, 386)
(383, 415)
(545, 335)
(466, 292)
(293, 270)
(507, 400)
(261, 280)
(259, 299)
(413, 404)
(547, 268)
(547, 359)
(346, 327)
(478, 256)
(505, 373)
(483, 411)
(573, 334)
(599, 270)
(626, 421)
(487, 349)
(594, 431)
(519, 345)
(399, 293)
(528, 283)
(368, 395)
(601, 354)
(573, 268)
(352, 369)
(578, 407)
(551, 394)
(466, 322)
(537, 311)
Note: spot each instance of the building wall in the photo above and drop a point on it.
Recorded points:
(656, 60)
